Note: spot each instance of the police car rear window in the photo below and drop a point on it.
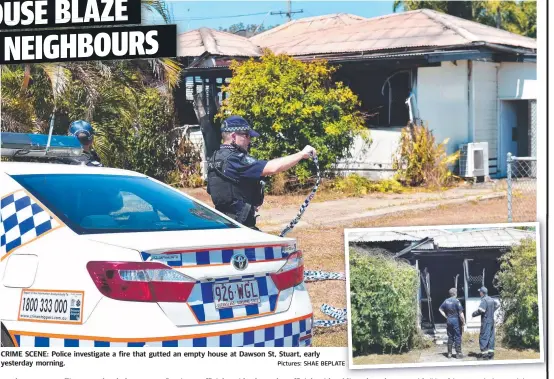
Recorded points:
(91, 204)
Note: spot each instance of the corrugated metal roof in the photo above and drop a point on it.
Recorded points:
(504, 237)
(392, 236)
(407, 30)
(302, 26)
(205, 40)
(445, 239)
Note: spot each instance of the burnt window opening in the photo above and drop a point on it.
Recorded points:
(383, 95)
(190, 87)
(481, 273)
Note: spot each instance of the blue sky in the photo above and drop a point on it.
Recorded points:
(190, 15)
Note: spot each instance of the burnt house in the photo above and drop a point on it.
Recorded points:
(466, 259)
(468, 82)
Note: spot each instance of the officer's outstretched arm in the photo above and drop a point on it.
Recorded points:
(277, 165)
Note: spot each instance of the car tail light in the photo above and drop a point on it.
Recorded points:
(140, 281)
(291, 274)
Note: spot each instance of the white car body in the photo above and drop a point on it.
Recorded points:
(50, 258)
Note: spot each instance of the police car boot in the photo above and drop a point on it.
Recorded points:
(449, 347)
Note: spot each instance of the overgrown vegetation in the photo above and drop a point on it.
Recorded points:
(421, 161)
(293, 104)
(356, 185)
(129, 107)
(518, 17)
(383, 295)
(518, 286)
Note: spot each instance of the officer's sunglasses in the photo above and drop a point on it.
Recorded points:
(245, 135)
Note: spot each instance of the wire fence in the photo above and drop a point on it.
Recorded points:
(522, 188)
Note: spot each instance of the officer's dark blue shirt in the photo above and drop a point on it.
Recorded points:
(452, 307)
(243, 166)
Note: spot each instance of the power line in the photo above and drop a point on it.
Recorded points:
(218, 17)
(289, 11)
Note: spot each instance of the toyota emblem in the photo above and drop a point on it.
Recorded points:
(239, 261)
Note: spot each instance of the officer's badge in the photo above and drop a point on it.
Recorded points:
(249, 160)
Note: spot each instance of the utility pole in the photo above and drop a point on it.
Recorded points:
(289, 11)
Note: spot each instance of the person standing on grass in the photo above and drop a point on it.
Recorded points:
(453, 311)
(234, 176)
(486, 309)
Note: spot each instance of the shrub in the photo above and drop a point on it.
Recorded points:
(293, 104)
(518, 286)
(148, 146)
(356, 185)
(420, 161)
(189, 164)
(384, 303)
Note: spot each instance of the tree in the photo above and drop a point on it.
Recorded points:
(249, 30)
(293, 104)
(383, 297)
(518, 286)
(518, 17)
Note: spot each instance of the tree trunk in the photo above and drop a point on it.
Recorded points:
(206, 107)
(461, 9)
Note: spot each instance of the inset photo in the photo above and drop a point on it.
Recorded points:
(446, 295)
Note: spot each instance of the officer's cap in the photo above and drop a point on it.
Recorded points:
(484, 290)
(237, 124)
(82, 130)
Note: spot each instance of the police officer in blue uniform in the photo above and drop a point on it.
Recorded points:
(453, 311)
(234, 177)
(84, 132)
(486, 309)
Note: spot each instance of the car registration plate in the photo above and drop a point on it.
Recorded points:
(227, 295)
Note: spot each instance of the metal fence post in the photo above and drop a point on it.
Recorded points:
(509, 182)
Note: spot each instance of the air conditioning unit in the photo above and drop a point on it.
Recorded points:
(474, 160)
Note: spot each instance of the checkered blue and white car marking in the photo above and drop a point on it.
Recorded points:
(21, 221)
(293, 334)
(212, 257)
(202, 304)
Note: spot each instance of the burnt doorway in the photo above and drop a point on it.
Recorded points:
(441, 274)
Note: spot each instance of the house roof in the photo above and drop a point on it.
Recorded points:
(302, 26)
(444, 239)
(394, 236)
(411, 30)
(205, 40)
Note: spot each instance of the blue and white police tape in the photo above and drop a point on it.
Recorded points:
(312, 276)
(303, 207)
(339, 315)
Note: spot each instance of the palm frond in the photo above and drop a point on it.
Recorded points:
(158, 7)
(58, 75)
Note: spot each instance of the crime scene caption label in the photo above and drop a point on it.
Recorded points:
(59, 358)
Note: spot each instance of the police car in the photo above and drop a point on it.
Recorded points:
(99, 257)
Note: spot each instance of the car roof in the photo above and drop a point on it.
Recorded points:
(28, 168)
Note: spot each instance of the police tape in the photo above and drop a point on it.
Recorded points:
(339, 314)
(312, 276)
(303, 207)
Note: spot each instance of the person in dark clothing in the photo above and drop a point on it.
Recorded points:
(486, 309)
(234, 177)
(453, 311)
(84, 132)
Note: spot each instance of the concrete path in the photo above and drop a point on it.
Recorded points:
(340, 212)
